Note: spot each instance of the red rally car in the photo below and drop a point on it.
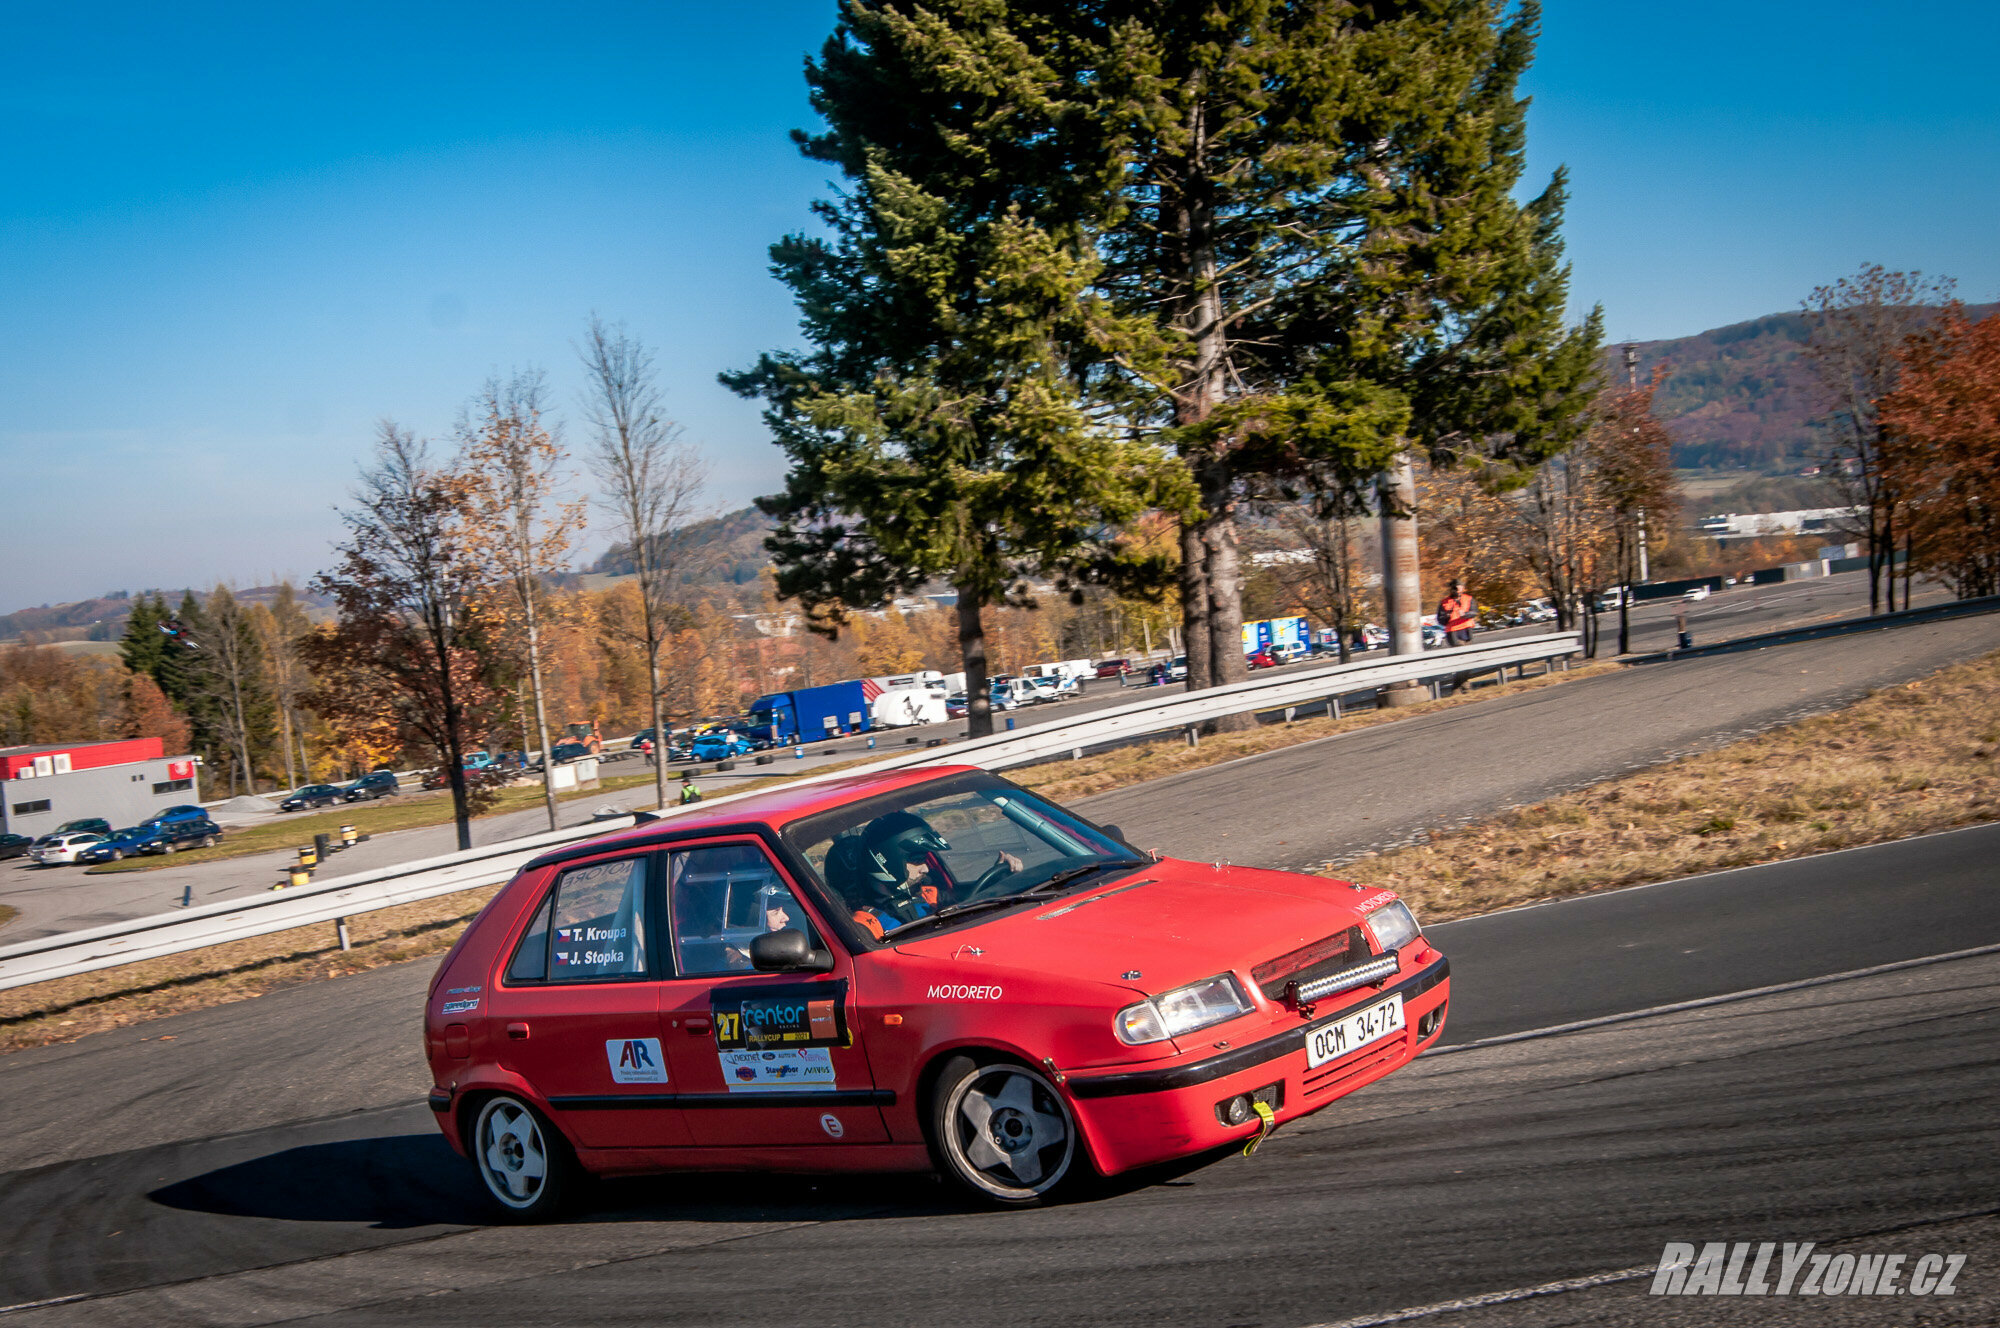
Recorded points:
(928, 969)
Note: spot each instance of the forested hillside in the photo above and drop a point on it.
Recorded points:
(1739, 396)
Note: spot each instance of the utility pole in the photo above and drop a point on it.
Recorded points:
(1402, 585)
(1632, 381)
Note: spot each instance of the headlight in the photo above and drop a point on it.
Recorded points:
(1394, 926)
(1182, 1010)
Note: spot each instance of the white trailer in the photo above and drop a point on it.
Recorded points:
(900, 707)
(1078, 669)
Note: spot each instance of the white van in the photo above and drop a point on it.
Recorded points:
(1075, 669)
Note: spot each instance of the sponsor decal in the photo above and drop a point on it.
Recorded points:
(793, 1070)
(959, 991)
(636, 1061)
(831, 1124)
(1720, 1268)
(460, 1007)
(464, 991)
(807, 1014)
(1376, 900)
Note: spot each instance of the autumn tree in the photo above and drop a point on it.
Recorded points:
(1857, 330)
(405, 590)
(1635, 469)
(280, 626)
(1940, 451)
(1322, 570)
(650, 480)
(520, 525)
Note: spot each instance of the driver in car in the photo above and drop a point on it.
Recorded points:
(885, 872)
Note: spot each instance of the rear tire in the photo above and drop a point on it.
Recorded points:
(1002, 1131)
(208, 841)
(524, 1162)
(118, 855)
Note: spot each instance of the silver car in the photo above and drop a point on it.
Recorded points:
(61, 850)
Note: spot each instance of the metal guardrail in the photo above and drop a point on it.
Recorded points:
(71, 953)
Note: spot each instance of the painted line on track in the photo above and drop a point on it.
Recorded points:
(1494, 1298)
(1725, 999)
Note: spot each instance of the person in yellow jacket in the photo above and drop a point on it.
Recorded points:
(689, 793)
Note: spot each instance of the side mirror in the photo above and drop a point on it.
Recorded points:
(1114, 832)
(787, 951)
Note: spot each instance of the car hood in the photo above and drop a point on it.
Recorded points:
(1171, 923)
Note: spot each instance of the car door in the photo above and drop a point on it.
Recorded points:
(760, 1059)
(576, 1009)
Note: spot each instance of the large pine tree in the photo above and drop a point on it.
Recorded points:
(939, 426)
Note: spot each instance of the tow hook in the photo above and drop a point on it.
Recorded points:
(1270, 1123)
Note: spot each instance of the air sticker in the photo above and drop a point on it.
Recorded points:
(790, 1070)
(800, 1015)
(636, 1061)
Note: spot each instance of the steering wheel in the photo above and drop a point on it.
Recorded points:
(989, 878)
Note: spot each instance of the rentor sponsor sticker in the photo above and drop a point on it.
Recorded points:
(811, 1014)
(461, 1007)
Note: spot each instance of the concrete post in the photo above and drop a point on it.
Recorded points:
(1402, 586)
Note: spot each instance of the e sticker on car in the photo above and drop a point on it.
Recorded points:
(636, 1061)
(802, 1015)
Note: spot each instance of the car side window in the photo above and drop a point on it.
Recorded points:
(600, 923)
(531, 957)
(724, 897)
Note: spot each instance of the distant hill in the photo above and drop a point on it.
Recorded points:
(1738, 397)
(725, 553)
(103, 618)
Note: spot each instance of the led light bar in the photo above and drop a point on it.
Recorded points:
(1381, 966)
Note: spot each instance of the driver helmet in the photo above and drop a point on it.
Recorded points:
(898, 839)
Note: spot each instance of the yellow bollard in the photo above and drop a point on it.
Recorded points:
(347, 836)
(297, 875)
(308, 856)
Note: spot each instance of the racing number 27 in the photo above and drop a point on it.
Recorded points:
(728, 1026)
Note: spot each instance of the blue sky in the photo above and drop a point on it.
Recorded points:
(234, 238)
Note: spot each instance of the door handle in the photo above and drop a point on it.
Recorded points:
(699, 1024)
(518, 1032)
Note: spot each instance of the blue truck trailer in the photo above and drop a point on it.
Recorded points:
(812, 714)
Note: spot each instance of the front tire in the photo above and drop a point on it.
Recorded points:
(1002, 1131)
(525, 1164)
(117, 855)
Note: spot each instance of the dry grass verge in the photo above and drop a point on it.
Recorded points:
(8, 913)
(1906, 760)
(110, 998)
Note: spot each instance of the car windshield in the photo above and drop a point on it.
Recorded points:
(922, 855)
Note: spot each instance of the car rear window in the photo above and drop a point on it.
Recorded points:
(599, 922)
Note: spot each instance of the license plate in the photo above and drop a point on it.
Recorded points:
(1332, 1041)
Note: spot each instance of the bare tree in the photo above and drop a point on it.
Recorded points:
(652, 479)
(1327, 580)
(407, 585)
(1635, 471)
(514, 465)
(1857, 330)
(233, 660)
(279, 630)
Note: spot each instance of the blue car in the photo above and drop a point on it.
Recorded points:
(720, 746)
(127, 843)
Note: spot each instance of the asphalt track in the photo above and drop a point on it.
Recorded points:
(271, 1162)
(1338, 797)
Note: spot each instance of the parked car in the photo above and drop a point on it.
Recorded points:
(956, 706)
(14, 846)
(1262, 659)
(565, 752)
(53, 850)
(719, 745)
(1433, 636)
(1112, 668)
(478, 760)
(1051, 689)
(313, 795)
(640, 739)
(1045, 1004)
(87, 825)
(130, 842)
(184, 827)
(1177, 669)
(374, 784)
(1694, 593)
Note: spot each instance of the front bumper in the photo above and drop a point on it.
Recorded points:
(1135, 1118)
